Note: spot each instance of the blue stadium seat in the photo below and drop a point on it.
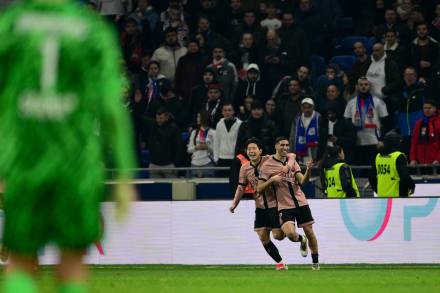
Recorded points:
(345, 62)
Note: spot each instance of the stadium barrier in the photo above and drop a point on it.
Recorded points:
(369, 231)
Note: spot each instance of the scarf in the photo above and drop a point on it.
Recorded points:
(152, 89)
(213, 111)
(426, 130)
(306, 138)
(363, 118)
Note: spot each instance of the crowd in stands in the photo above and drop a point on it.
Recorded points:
(207, 75)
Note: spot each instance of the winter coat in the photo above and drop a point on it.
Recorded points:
(426, 152)
(263, 129)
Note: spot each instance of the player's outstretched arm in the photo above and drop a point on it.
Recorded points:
(303, 179)
(237, 197)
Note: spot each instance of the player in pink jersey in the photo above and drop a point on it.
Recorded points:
(266, 212)
(292, 203)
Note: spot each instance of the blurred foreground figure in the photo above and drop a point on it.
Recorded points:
(60, 85)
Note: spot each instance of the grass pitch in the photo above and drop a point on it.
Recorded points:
(237, 279)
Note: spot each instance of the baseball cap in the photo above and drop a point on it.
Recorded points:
(308, 101)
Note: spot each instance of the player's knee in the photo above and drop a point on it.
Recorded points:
(279, 235)
(264, 238)
(308, 230)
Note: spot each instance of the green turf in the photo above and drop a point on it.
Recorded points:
(237, 279)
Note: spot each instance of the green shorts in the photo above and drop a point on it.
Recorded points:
(63, 210)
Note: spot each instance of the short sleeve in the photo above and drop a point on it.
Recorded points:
(263, 174)
(296, 168)
(242, 179)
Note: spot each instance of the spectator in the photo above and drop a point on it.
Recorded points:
(169, 53)
(249, 25)
(132, 46)
(274, 61)
(367, 113)
(404, 9)
(148, 87)
(302, 75)
(203, 45)
(145, 14)
(225, 71)
(272, 113)
(271, 22)
(333, 95)
(245, 109)
(162, 138)
(289, 106)
(425, 140)
(174, 18)
(250, 86)
(246, 53)
(295, 41)
(199, 94)
(424, 51)
(384, 77)
(410, 106)
(335, 130)
(435, 24)
(333, 76)
(234, 16)
(257, 126)
(395, 50)
(305, 132)
(309, 19)
(392, 23)
(201, 145)
(226, 138)
(189, 70)
(349, 89)
(214, 104)
(169, 101)
(215, 11)
(114, 10)
(361, 59)
(415, 17)
(212, 38)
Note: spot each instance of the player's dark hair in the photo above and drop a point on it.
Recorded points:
(280, 138)
(255, 141)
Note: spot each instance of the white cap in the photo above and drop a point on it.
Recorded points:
(308, 101)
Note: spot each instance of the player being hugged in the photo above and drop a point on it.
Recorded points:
(292, 203)
(266, 213)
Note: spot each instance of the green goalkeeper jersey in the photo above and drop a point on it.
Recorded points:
(59, 78)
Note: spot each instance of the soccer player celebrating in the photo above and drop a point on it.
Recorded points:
(60, 77)
(292, 203)
(266, 213)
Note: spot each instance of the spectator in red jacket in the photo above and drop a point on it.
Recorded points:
(425, 141)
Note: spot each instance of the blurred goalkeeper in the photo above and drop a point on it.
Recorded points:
(60, 78)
